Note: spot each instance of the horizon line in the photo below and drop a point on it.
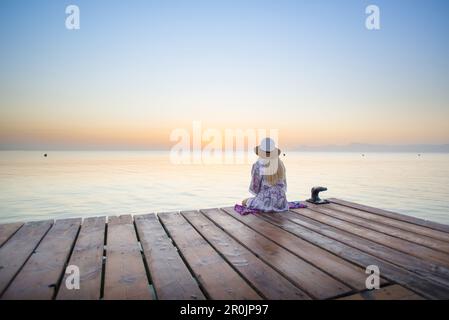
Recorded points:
(348, 148)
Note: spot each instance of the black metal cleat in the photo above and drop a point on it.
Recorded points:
(315, 199)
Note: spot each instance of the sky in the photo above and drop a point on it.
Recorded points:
(137, 70)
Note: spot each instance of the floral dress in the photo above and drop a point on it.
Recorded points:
(268, 198)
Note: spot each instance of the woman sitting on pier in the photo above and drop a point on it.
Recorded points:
(268, 182)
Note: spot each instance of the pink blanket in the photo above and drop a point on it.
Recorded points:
(243, 210)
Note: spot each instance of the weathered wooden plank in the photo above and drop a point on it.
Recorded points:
(40, 275)
(378, 237)
(312, 280)
(87, 255)
(217, 277)
(348, 273)
(355, 250)
(393, 215)
(7, 230)
(171, 277)
(421, 266)
(269, 283)
(125, 275)
(393, 292)
(403, 225)
(392, 231)
(15, 252)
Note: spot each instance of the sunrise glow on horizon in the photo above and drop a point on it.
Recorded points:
(136, 71)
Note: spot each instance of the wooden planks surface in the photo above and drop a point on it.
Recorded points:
(88, 257)
(408, 247)
(15, 252)
(400, 224)
(269, 283)
(171, 277)
(218, 278)
(125, 275)
(397, 216)
(312, 280)
(39, 277)
(356, 219)
(360, 252)
(347, 272)
(320, 252)
(7, 230)
(394, 292)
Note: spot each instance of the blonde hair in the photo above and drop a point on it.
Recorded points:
(279, 175)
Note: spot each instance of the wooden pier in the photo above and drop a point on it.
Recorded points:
(320, 252)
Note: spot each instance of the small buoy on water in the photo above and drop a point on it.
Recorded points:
(45, 155)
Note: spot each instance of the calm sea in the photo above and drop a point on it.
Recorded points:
(74, 184)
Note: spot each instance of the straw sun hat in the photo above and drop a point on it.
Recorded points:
(267, 149)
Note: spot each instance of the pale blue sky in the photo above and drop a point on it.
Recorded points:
(147, 67)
